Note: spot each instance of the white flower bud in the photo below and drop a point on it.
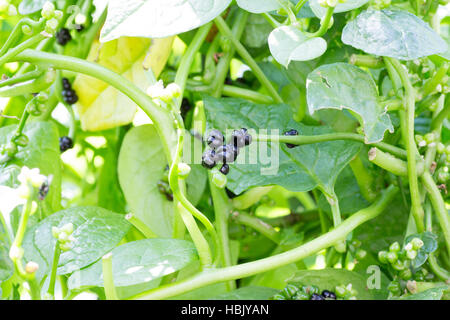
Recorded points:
(31, 267)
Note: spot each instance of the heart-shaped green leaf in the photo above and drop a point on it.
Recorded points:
(158, 18)
(96, 231)
(345, 86)
(396, 34)
(287, 43)
(138, 262)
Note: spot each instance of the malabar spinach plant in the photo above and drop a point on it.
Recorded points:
(248, 149)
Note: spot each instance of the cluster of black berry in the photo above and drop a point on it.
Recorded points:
(63, 36)
(224, 153)
(65, 143)
(300, 292)
(69, 95)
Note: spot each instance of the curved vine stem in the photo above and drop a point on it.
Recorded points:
(411, 148)
(251, 268)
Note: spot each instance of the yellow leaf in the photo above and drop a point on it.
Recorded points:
(101, 106)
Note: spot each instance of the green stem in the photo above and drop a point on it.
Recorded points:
(436, 268)
(276, 261)
(140, 225)
(392, 164)
(236, 92)
(225, 30)
(56, 254)
(335, 210)
(299, 6)
(15, 34)
(301, 140)
(22, 78)
(364, 179)
(20, 48)
(366, 61)
(250, 197)
(438, 205)
(431, 85)
(324, 23)
(411, 147)
(274, 23)
(264, 228)
(108, 280)
(442, 115)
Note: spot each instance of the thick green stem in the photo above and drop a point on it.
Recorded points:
(251, 268)
(437, 121)
(140, 225)
(108, 279)
(301, 140)
(366, 61)
(431, 85)
(56, 254)
(250, 197)
(259, 74)
(335, 210)
(438, 205)
(21, 47)
(21, 78)
(324, 23)
(250, 221)
(392, 164)
(363, 178)
(411, 148)
(237, 92)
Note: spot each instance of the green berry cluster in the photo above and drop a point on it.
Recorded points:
(7, 8)
(64, 236)
(52, 17)
(311, 292)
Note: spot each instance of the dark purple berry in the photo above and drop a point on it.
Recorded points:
(215, 139)
(291, 132)
(225, 169)
(70, 96)
(316, 296)
(43, 191)
(328, 295)
(63, 36)
(66, 84)
(227, 153)
(208, 159)
(65, 143)
(238, 138)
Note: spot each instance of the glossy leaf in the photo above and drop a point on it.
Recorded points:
(344, 86)
(430, 244)
(96, 231)
(397, 34)
(142, 164)
(299, 169)
(139, 262)
(101, 106)
(6, 265)
(158, 18)
(287, 43)
(348, 5)
(430, 294)
(329, 279)
(259, 6)
(41, 152)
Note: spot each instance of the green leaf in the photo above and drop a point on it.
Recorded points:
(139, 262)
(345, 86)
(259, 6)
(299, 169)
(329, 279)
(6, 265)
(41, 152)
(31, 6)
(430, 294)
(158, 18)
(142, 164)
(396, 34)
(248, 293)
(349, 5)
(256, 32)
(96, 231)
(287, 43)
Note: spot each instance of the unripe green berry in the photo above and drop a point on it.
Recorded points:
(361, 254)
(67, 228)
(395, 247)
(395, 288)
(27, 30)
(219, 179)
(417, 243)
(51, 25)
(290, 291)
(430, 137)
(183, 170)
(382, 256)
(62, 236)
(340, 291)
(391, 257)
(48, 10)
(340, 246)
(278, 296)
(398, 265)
(411, 254)
(440, 148)
(406, 274)
(55, 232)
(301, 295)
(65, 246)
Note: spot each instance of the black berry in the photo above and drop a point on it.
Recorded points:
(215, 139)
(65, 143)
(66, 84)
(70, 96)
(227, 153)
(43, 191)
(291, 132)
(208, 159)
(238, 138)
(63, 36)
(328, 295)
(225, 169)
(316, 296)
